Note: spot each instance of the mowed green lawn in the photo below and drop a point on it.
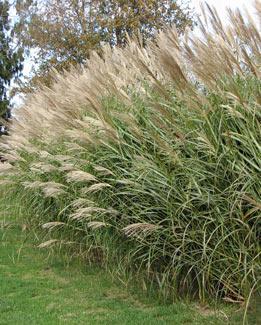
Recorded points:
(37, 289)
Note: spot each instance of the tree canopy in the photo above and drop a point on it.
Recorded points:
(64, 32)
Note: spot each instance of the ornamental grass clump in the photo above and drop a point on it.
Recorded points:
(149, 159)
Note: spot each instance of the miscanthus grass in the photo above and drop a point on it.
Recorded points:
(149, 159)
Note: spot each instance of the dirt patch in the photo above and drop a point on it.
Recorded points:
(48, 273)
(207, 311)
(124, 296)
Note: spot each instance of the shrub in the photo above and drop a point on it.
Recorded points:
(150, 159)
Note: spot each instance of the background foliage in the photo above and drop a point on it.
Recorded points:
(11, 56)
(64, 32)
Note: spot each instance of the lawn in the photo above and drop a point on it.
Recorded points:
(36, 288)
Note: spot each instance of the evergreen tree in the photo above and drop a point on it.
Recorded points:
(11, 58)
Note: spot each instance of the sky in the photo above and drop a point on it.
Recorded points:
(222, 4)
(219, 4)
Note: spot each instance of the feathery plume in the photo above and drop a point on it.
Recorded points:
(80, 176)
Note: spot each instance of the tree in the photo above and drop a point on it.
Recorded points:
(65, 31)
(11, 58)
(146, 17)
